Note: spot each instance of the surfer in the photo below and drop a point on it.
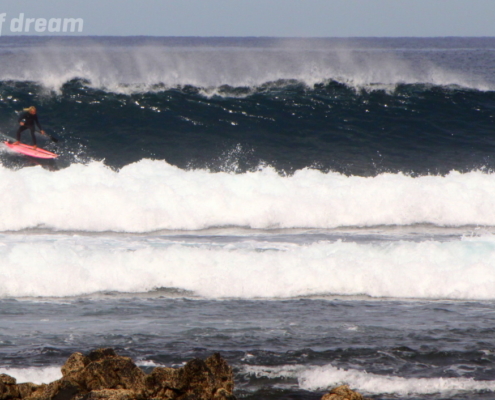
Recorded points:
(27, 120)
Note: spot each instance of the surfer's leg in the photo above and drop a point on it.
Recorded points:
(18, 134)
(33, 137)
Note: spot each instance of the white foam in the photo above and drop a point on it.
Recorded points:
(59, 265)
(34, 375)
(149, 363)
(327, 377)
(153, 195)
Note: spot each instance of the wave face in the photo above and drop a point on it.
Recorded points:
(358, 107)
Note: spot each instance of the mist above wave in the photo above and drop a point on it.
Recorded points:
(124, 66)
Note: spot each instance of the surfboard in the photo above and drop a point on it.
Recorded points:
(30, 150)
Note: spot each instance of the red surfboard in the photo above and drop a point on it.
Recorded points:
(30, 150)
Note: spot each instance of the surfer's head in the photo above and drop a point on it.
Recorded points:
(31, 110)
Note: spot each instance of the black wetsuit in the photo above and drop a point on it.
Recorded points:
(29, 121)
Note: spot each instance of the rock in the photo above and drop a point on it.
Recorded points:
(224, 378)
(198, 379)
(110, 394)
(27, 389)
(162, 383)
(104, 375)
(74, 364)
(8, 388)
(343, 393)
(58, 390)
(100, 354)
(111, 372)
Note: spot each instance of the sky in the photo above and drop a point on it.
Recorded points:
(276, 18)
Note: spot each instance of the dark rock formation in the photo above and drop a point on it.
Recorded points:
(103, 375)
(343, 393)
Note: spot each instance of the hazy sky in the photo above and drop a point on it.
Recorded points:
(284, 18)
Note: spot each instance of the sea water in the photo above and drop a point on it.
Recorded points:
(319, 211)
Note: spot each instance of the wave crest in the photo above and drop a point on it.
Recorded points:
(129, 66)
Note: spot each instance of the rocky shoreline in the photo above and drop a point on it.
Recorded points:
(104, 375)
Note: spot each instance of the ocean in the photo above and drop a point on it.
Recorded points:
(319, 211)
